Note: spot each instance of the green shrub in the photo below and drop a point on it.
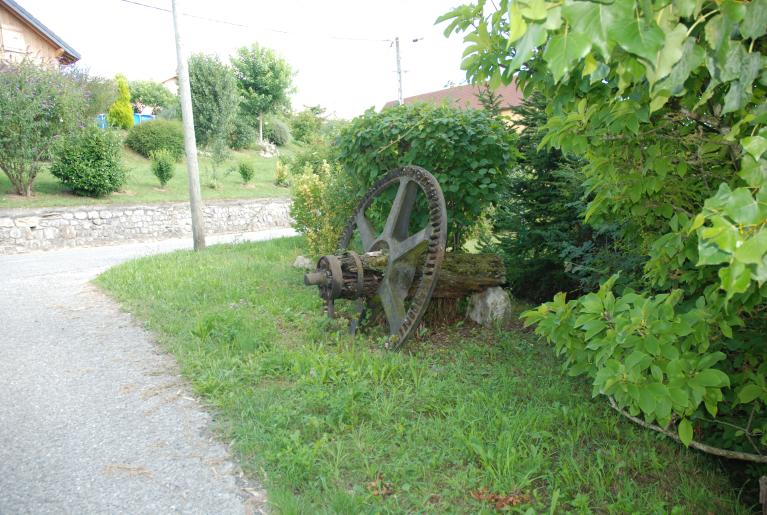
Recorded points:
(281, 174)
(163, 165)
(469, 152)
(674, 139)
(323, 199)
(537, 226)
(305, 126)
(120, 113)
(246, 171)
(38, 106)
(277, 132)
(148, 137)
(243, 134)
(215, 99)
(88, 162)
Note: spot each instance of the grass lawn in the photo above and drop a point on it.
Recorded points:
(143, 187)
(462, 419)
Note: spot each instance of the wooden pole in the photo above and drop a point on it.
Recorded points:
(190, 143)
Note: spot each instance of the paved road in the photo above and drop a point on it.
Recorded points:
(93, 415)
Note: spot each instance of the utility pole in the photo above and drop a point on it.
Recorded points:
(399, 70)
(190, 143)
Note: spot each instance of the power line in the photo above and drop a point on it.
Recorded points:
(234, 24)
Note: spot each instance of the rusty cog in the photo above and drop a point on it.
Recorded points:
(406, 251)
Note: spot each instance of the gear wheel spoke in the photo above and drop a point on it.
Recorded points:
(403, 260)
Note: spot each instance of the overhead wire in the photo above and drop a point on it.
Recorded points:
(264, 29)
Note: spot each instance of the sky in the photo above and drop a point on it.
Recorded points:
(345, 76)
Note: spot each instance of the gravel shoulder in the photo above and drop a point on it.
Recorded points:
(94, 417)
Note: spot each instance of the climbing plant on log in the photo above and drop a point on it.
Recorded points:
(665, 101)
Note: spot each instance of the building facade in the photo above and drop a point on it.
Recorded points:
(22, 36)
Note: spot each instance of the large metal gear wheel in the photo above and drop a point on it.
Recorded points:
(404, 246)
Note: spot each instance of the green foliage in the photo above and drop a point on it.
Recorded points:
(120, 113)
(469, 152)
(277, 132)
(216, 155)
(324, 197)
(666, 103)
(100, 93)
(163, 165)
(263, 79)
(215, 99)
(329, 420)
(281, 173)
(305, 126)
(246, 171)
(537, 226)
(38, 107)
(149, 137)
(243, 133)
(151, 93)
(88, 162)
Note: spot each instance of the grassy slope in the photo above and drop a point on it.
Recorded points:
(332, 420)
(143, 186)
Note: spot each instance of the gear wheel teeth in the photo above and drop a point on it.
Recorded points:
(435, 249)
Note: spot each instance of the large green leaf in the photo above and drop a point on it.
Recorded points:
(564, 51)
(753, 250)
(669, 54)
(524, 48)
(749, 393)
(685, 431)
(755, 22)
(639, 37)
(595, 20)
(692, 58)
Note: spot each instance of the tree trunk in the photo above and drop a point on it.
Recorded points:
(260, 128)
(460, 275)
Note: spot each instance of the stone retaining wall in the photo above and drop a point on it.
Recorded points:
(24, 230)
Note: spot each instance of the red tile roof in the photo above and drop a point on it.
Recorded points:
(465, 96)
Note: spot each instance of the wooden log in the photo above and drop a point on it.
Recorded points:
(460, 274)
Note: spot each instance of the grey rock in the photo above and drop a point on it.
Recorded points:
(304, 263)
(490, 306)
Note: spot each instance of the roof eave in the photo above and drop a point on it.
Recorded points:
(69, 56)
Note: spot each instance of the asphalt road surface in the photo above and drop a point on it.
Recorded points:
(94, 417)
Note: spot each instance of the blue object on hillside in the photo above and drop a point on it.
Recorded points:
(141, 118)
(101, 119)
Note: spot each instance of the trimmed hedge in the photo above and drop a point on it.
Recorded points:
(88, 162)
(148, 137)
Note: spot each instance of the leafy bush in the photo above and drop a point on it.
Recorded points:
(246, 171)
(468, 151)
(281, 174)
(665, 103)
(277, 132)
(100, 93)
(323, 199)
(215, 99)
(537, 226)
(243, 134)
(120, 113)
(149, 137)
(38, 106)
(163, 165)
(88, 162)
(305, 126)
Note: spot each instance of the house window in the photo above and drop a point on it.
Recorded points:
(13, 39)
